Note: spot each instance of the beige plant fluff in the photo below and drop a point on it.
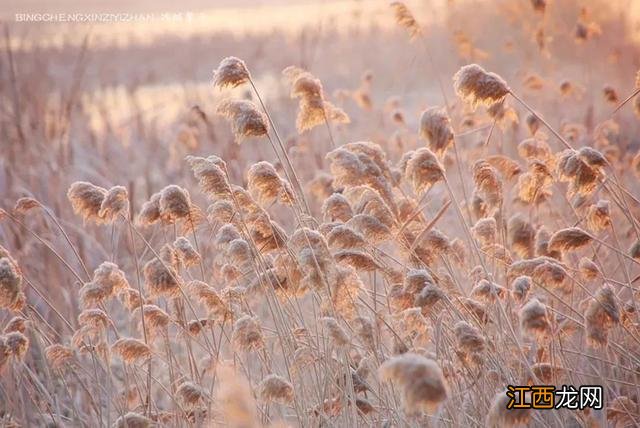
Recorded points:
(419, 380)
(246, 120)
(477, 86)
(435, 127)
(232, 72)
(313, 108)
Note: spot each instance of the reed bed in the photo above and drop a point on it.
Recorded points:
(324, 259)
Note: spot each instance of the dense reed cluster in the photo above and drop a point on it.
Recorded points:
(344, 280)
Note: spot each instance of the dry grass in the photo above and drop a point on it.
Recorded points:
(327, 249)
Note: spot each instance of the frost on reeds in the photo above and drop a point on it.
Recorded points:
(363, 163)
(160, 274)
(601, 315)
(599, 216)
(520, 288)
(212, 176)
(488, 183)
(108, 281)
(485, 231)
(435, 127)
(190, 394)
(569, 239)
(23, 205)
(534, 321)
(16, 323)
(133, 420)
(247, 335)
(246, 120)
(58, 355)
(582, 177)
(500, 416)
(10, 280)
(217, 308)
(470, 343)
(86, 200)
(131, 350)
(336, 332)
(313, 109)
(274, 388)
(266, 185)
(452, 286)
(231, 72)
(477, 86)
(156, 320)
(114, 204)
(521, 236)
(150, 211)
(419, 379)
(174, 203)
(17, 344)
(186, 252)
(423, 170)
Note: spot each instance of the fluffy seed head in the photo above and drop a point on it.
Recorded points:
(246, 119)
(131, 350)
(420, 380)
(274, 388)
(156, 320)
(405, 18)
(150, 211)
(86, 200)
(25, 204)
(337, 208)
(599, 216)
(190, 394)
(435, 127)
(313, 110)
(58, 355)
(520, 288)
(569, 239)
(423, 170)
(602, 313)
(160, 277)
(488, 183)
(485, 231)
(266, 185)
(507, 167)
(133, 420)
(468, 338)
(336, 332)
(10, 281)
(232, 72)
(521, 236)
(588, 269)
(534, 320)
(17, 344)
(16, 323)
(247, 335)
(185, 251)
(501, 417)
(114, 204)
(174, 203)
(477, 86)
(211, 176)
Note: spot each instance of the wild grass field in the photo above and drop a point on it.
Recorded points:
(336, 214)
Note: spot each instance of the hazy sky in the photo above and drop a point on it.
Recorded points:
(10, 7)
